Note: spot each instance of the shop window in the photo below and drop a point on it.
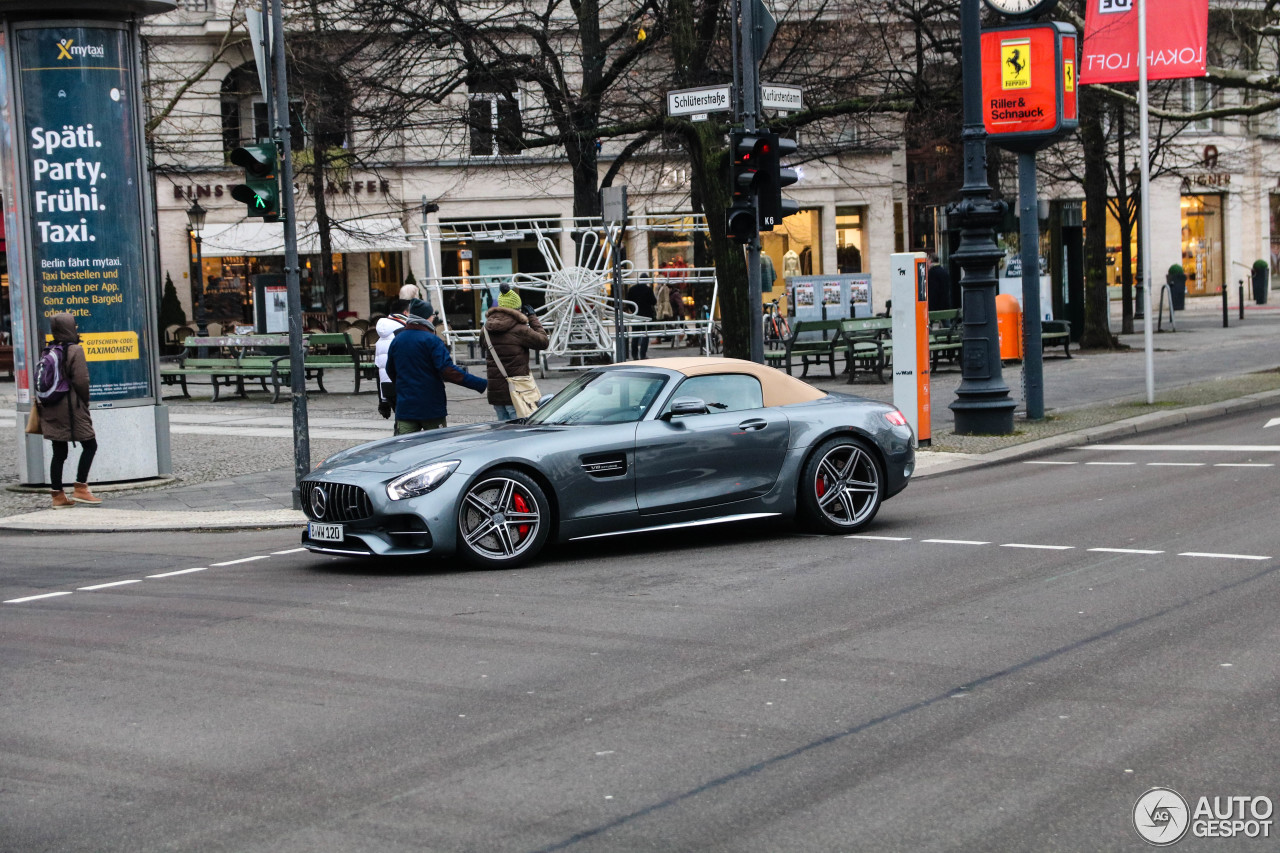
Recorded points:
(1115, 250)
(386, 277)
(675, 245)
(795, 247)
(1202, 258)
(1275, 235)
(851, 235)
(313, 287)
(494, 121)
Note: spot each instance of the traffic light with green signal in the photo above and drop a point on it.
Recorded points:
(774, 176)
(261, 188)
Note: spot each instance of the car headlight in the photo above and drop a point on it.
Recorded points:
(420, 480)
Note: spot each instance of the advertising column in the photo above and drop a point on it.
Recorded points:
(72, 149)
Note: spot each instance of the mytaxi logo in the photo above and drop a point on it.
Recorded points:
(68, 49)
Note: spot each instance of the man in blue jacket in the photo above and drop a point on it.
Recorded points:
(418, 363)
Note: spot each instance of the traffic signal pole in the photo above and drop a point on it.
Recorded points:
(293, 284)
(749, 100)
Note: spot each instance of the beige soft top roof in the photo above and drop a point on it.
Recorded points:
(779, 388)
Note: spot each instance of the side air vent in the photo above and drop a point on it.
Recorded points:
(612, 465)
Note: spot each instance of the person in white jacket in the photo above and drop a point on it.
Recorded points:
(387, 328)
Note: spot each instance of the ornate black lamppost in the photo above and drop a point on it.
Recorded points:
(983, 405)
(195, 222)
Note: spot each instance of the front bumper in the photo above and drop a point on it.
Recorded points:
(416, 526)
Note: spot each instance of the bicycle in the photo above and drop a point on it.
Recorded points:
(776, 328)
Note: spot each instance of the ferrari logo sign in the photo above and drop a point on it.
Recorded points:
(1015, 63)
(1029, 84)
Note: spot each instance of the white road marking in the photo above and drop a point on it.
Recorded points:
(880, 538)
(1046, 462)
(1126, 551)
(241, 560)
(290, 551)
(105, 585)
(36, 597)
(1223, 556)
(955, 541)
(1271, 423)
(1177, 464)
(1111, 463)
(178, 572)
(1225, 448)
(1244, 465)
(1039, 547)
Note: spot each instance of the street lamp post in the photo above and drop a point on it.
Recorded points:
(195, 222)
(983, 405)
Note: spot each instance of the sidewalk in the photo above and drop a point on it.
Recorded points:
(233, 460)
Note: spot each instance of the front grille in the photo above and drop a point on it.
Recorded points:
(342, 502)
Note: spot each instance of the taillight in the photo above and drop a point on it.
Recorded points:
(896, 418)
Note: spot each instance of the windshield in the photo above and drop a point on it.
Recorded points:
(607, 397)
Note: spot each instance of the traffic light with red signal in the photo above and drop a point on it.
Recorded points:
(756, 179)
(773, 207)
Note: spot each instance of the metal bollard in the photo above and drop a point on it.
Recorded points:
(1224, 305)
(1241, 299)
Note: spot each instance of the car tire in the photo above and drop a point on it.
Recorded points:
(504, 519)
(841, 487)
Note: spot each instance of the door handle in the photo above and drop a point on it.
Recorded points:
(753, 424)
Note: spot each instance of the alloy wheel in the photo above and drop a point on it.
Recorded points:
(847, 485)
(499, 518)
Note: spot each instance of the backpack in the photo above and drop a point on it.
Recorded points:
(52, 383)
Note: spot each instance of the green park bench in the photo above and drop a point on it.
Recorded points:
(1054, 332)
(821, 341)
(868, 344)
(945, 335)
(263, 358)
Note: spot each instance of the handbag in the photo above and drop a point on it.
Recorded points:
(33, 421)
(524, 391)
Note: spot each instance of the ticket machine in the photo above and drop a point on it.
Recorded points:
(910, 293)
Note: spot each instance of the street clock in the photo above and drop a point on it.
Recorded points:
(1021, 8)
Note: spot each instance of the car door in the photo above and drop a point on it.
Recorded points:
(732, 453)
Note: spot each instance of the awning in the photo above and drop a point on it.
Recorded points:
(267, 238)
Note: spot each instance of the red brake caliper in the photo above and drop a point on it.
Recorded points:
(821, 486)
(521, 506)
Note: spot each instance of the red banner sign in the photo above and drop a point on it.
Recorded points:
(1177, 33)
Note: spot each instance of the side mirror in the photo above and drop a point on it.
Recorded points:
(544, 399)
(682, 406)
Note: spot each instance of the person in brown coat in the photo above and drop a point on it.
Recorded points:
(68, 419)
(513, 332)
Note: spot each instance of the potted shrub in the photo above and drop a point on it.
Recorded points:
(1261, 278)
(1177, 280)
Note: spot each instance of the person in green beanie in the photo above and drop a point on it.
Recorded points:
(512, 330)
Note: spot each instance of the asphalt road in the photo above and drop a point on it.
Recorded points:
(1024, 652)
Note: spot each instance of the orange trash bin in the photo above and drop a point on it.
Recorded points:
(1009, 326)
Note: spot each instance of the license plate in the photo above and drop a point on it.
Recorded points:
(324, 532)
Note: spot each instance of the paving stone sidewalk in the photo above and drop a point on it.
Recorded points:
(235, 457)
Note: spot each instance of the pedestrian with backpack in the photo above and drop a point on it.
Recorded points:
(62, 393)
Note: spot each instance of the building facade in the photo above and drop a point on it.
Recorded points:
(853, 204)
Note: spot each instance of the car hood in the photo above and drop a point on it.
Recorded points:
(401, 453)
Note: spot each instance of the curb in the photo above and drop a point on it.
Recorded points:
(1150, 422)
(101, 520)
